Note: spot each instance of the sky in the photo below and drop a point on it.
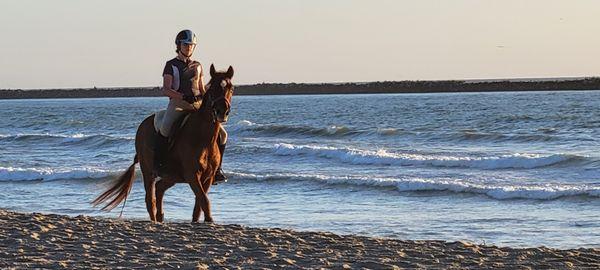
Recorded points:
(71, 44)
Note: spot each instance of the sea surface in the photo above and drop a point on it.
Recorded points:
(510, 169)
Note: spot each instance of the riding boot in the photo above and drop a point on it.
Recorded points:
(219, 175)
(160, 145)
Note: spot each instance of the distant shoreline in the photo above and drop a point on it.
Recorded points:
(386, 87)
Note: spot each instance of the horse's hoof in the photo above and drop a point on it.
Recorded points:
(209, 221)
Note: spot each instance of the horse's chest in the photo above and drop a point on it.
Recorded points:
(207, 160)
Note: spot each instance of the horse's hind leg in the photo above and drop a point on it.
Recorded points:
(202, 203)
(144, 143)
(150, 192)
(161, 186)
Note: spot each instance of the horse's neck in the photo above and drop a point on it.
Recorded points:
(201, 129)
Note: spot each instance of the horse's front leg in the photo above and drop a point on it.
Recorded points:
(161, 187)
(201, 204)
(206, 184)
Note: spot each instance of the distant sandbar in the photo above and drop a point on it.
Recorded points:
(569, 84)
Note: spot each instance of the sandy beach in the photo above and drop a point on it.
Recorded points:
(58, 242)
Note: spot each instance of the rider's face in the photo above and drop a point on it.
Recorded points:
(187, 49)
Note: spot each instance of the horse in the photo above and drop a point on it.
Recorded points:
(193, 157)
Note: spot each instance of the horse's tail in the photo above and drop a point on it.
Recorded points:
(119, 189)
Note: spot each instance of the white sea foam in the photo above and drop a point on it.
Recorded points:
(496, 191)
(382, 157)
(19, 135)
(25, 174)
(63, 137)
(245, 123)
(74, 136)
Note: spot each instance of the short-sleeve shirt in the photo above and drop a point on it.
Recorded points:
(183, 75)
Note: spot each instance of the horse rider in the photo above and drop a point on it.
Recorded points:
(184, 85)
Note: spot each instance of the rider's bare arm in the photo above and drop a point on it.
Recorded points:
(201, 82)
(167, 88)
(198, 86)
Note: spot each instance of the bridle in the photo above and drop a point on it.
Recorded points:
(210, 95)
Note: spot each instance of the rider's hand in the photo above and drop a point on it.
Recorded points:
(176, 95)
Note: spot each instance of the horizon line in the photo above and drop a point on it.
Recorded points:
(514, 79)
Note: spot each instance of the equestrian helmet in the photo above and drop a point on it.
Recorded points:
(185, 37)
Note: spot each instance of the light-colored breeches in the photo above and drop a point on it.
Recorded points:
(178, 108)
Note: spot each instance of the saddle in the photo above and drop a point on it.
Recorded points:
(180, 123)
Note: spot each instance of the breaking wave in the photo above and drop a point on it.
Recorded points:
(500, 192)
(77, 139)
(45, 174)
(382, 157)
(273, 129)
(245, 127)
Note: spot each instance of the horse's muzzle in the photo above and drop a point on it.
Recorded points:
(220, 116)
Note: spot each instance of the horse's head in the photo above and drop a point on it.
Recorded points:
(220, 90)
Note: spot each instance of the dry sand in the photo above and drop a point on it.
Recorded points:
(55, 241)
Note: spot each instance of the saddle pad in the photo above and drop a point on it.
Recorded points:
(158, 119)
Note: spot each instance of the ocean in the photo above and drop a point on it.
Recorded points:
(515, 169)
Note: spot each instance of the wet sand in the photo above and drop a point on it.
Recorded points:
(58, 242)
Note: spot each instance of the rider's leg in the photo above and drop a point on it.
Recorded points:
(220, 176)
(160, 145)
(173, 112)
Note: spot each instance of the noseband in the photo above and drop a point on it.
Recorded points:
(212, 100)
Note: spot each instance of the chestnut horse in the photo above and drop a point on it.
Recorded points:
(193, 159)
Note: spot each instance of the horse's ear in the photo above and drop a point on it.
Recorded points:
(212, 70)
(230, 72)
